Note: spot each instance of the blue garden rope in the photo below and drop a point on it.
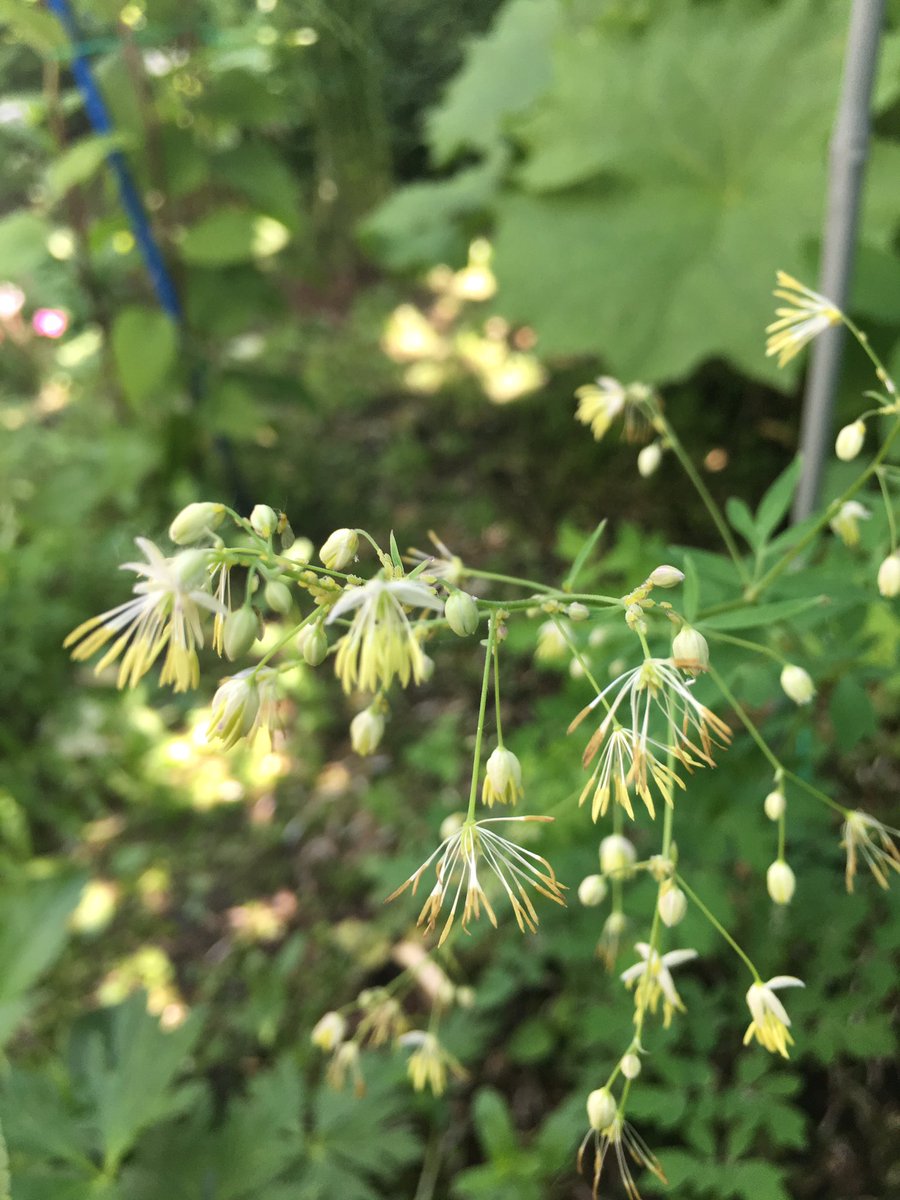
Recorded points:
(97, 113)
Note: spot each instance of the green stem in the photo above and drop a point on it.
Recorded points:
(719, 927)
(781, 836)
(497, 693)
(756, 647)
(888, 508)
(863, 340)
(703, 492)
(514, 580)
(283, 641)
(476, 763)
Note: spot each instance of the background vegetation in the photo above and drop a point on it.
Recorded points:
(641, 170)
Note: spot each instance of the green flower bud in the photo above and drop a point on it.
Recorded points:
(601, 1109)
(850, 441)
(797, 684)
(690, 651)
(630, 1065)
(240, 632)
(312, 642)
(617, 854)
(665, 576)
(194, 521)
(461, 612)
(278, 596)
(775, 804)
(780, 882)
(672, 904)
(366, 731)
(264, 520)
(592, 891)
(889, 577)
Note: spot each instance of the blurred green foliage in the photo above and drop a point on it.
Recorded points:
(642, 169)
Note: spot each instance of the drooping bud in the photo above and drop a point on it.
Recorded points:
(672, 904)
(264, 520)
(366, 730)
(328, 1032)
(601, 1109)
(234, 709)
(630, 1065)
(780, 881)
(649, 459)
(278, 596)
(240, 632)
(850, 441)
(461, 612)
(774, 805)
(312, 642)
(592, 891)
(690, 651)
(451, 824)
(617, 854)
(666, 576)
(502, 778)
(578, 611)
(889, 576)
(194, 521)
(797, 685)
(845, 523)
(339, 549)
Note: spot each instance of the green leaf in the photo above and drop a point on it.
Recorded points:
(675, 174)
(33, 928)
(494, 1124)
(129, 1065)
(37, 29)
(851, 712)
(504, 72)
(144, 345)
(232, 235)
(23, 243)
(583, 555)
(37, 1120)
(775, 503)
(741, 519)
(763, 614)
(257, 171)
(691, 592)
(80, 162)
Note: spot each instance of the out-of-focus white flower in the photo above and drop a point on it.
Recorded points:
(654, 979)
(808, 315)
(770, 1022)
(846, 521)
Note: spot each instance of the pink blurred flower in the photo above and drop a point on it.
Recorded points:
(50, 322)
(11, 300)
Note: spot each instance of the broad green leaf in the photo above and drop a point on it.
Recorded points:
(741, 519)
(503, 73)
(38, 29)
(37, 1120)
(763, 614)
(494, 1124)
(144, 344)
(80, 162)
(665, 192)
(775, 503)
(33, 928)
(232, 235)
(254, 169)
(129, 1065)
(23, 243)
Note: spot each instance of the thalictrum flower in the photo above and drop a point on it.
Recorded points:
(602, 402)
(459, 857)
(654, 979)
(381, 642)
(165, 614)
(864, 835)
(627, 1143)
(770, 1022)
(244, 704)
(809, 313)
(429, 1062)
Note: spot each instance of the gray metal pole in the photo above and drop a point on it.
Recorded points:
(847, 160)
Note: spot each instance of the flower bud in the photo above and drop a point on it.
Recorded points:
(450, 825)
(630, 1065)
(551, 643)
(366, 730)
(189, 568)
(850, 440)
(461, 612)
(234, 709)
(592, 890)
(502, 778)
(672, 904)
(328, 1032)
(194, 521)
(312, 642)
(426, 668)
(601, 1109)
(278, 596)
(665, 576)
(774, 805)
(845, 523)
(339, 549)
(616, 854)
(264, 520)
(649, 459)
(797, 685)
(578, 611)
(780, 881)
(690, 651)
(240, 632)
(889, 576)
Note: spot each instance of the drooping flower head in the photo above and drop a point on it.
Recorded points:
(244, 704)
(654, 980)
(165, 614)
(805, 318)
(602, 402)
(381, 643)
(608, 1128)
(429, 1062)
(459, 858)
(770, 1022)
(863, 835)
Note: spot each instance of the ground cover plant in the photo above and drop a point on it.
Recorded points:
(616, 735)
